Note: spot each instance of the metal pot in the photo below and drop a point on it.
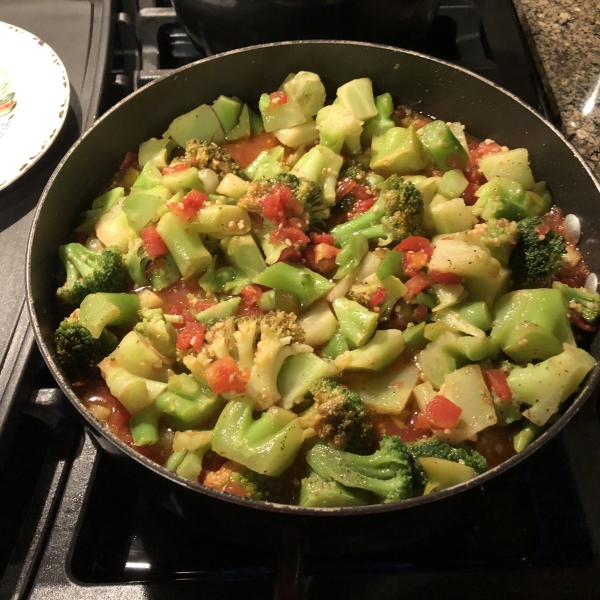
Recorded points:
(228, 24)
(430, 86)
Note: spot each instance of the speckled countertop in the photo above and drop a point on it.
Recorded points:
(565, 38)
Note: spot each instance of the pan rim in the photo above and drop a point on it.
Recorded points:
(592, 379)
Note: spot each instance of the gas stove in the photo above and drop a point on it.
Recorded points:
(74, 526)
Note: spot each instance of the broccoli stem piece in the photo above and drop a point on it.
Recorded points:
(382, 121)
(354, 248)
(322, 166)
(531, 324)
(189, 449)
(164, 273)
(398, 150)
(446, 150)
(144, 426)
(100, 206)
(186, 248)
(338, 126)
(387, 473)
(546, 385)
(222, 310)
(357, 96)
(335, 346)
(317, 492)
(382, 350)
(526, 434)
(89, 272)
(268, 445)
(220, 220)
(357, 323)
(102, 309)
(304, 283)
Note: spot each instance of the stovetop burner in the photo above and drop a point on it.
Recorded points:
(74, 526)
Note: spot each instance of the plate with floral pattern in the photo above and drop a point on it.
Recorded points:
(34, 100)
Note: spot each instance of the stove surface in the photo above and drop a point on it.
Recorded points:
(76, 526)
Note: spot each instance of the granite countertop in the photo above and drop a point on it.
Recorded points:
(564, 36)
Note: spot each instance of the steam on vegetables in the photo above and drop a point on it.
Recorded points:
(326, 305)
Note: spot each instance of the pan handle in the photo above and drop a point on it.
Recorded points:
(290, 583)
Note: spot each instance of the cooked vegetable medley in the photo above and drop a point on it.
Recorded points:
(326, 305)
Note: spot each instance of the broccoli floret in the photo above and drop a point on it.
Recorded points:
(208, 155)
(435, 448)
(397, 214)
(77, 350)
(268, 445)
(278, 336)
(581, 301)
(241, 481)
(362, 293)
(89, 272)
(499, 236)
(340, 417)
(387, 473)
(158, 331)
(354, 170)
(536, 257)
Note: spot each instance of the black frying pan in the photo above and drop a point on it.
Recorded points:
(430, 86)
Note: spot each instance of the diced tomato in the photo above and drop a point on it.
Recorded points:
(377, 297)
(344, 187)
(272, 208)
(485, 148)
(497, 381)
(246, 151)
(447, 278)
(413, 262)
(454, 162)
(188, 207)
(580, 322)
(415, 243)
(474, 175)
(418, 283)
(176, 168)
(362, 206)
(297, 223)
(420, 312)
(290, 255)
(362, 192)
(420, 421)
(322, 238)
(192, 335)
(277, 98)
(251, 294)
(442, 413)
(249, 311)
(296, 237)
(188, 317)
(153, 243)
(320, 257)
(469, 194)
(223, 375)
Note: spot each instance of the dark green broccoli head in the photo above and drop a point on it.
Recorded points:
(354, 170)
(340, 417)
(89, 272)
(208, 155)
(387, 473)
(536, 257)
(436, 448)
(581, 301)
(403, 211)
(77, 350)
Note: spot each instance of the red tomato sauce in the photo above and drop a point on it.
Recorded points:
(246, 151)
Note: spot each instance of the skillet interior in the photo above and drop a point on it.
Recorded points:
(430, 86)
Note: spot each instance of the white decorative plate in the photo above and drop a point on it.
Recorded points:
(34, 100)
